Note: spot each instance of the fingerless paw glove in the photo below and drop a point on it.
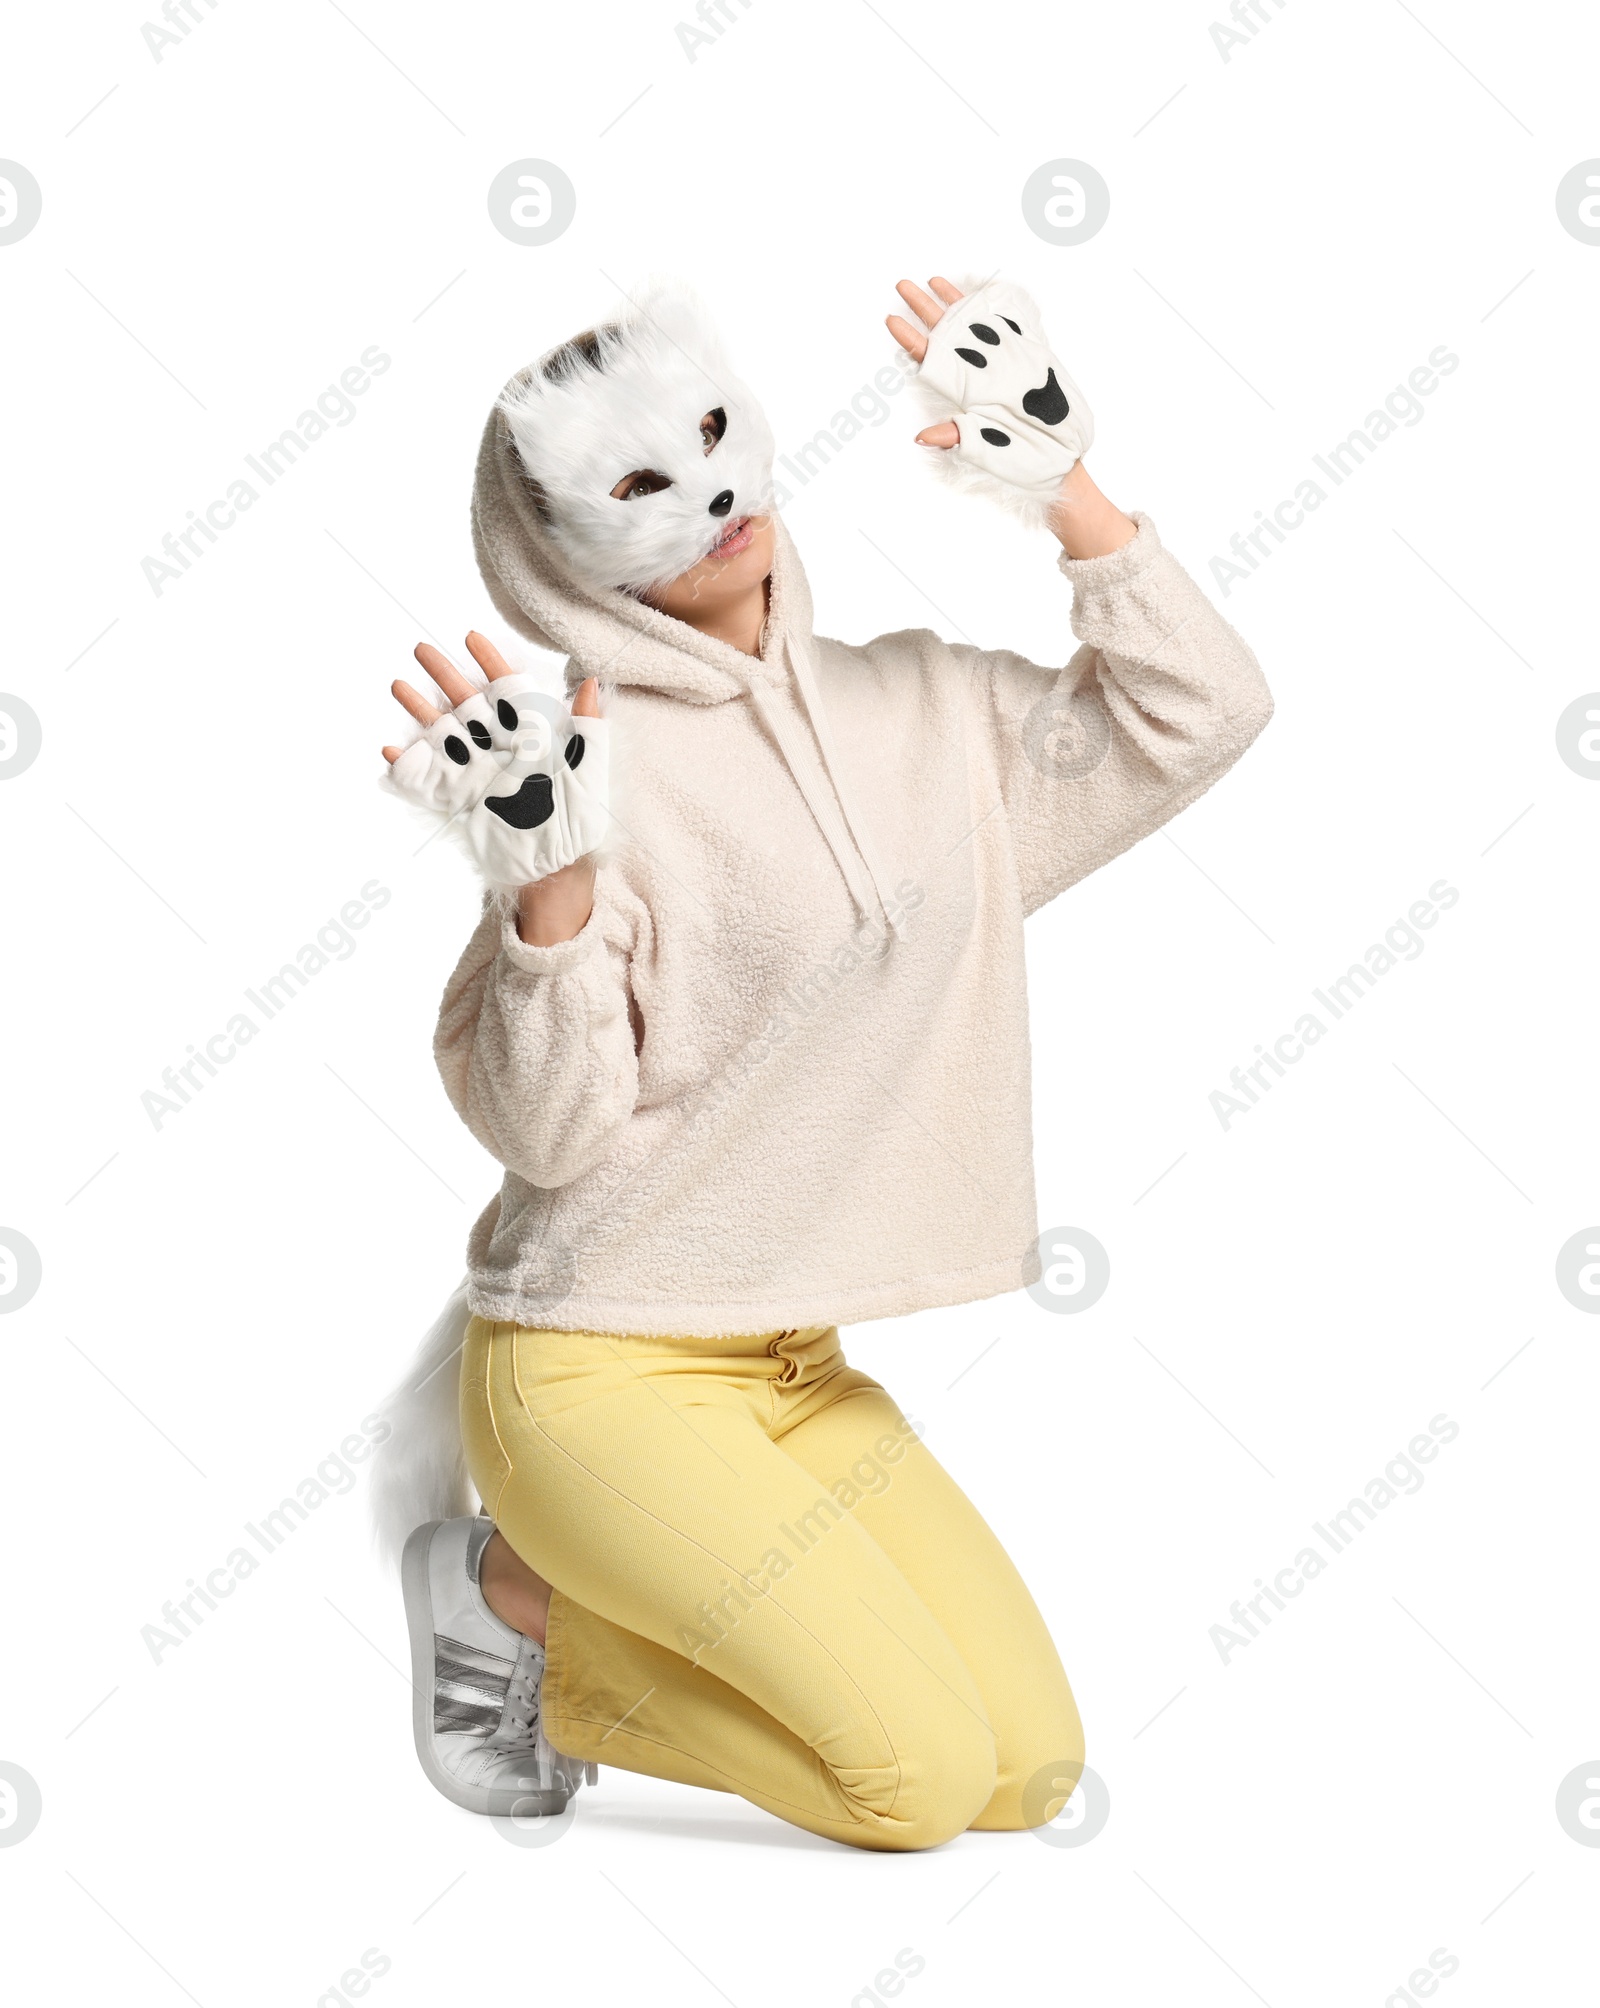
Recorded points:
(1023, 421)
(521, 783)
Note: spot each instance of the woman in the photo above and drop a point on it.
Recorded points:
(760, 1068)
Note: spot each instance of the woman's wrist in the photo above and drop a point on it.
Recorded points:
(1085, 523)
(556, 908)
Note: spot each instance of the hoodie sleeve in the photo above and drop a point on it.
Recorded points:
(535, 1046)
(1161, 700)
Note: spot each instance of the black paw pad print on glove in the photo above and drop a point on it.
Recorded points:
(535, 801)
(1021, 418)
(502, 769)
(1047, 402)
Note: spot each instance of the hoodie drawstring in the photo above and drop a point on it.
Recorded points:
(845, 832)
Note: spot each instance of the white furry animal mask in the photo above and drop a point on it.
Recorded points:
(650, 395)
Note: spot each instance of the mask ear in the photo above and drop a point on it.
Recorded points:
(677, 315)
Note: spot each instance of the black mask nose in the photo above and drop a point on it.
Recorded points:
(721, 504)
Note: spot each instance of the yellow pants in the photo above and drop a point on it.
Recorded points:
(765, 1584)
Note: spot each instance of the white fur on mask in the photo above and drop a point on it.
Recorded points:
(659, 369)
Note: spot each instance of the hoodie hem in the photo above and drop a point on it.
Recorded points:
(731, 1316)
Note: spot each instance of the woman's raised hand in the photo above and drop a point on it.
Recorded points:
(516, 777)
(1020, 425)
(915, 342)
(585, 702)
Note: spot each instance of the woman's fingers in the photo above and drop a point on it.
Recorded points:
(419, 707)
(413, 700)
(443, 671)
(929, 311)
(909, 338)
(922, 304)
(487, 656)
(585, 702)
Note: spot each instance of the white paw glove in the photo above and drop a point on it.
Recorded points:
(522, 782)
(1023, 421)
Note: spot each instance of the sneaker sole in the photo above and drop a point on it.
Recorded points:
(496, 1801)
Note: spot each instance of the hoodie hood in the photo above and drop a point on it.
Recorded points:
(641, 440)
(607, 633)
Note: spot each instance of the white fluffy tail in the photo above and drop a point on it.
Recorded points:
(420, 1473)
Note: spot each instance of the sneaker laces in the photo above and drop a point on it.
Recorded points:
(520, 1728)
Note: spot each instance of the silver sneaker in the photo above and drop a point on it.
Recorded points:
(476, 1684)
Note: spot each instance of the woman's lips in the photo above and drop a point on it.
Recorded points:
(734, 539)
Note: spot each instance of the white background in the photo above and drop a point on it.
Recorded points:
(1292, 231)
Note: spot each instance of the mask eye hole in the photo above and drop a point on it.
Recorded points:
(713, 426)
(642, 481)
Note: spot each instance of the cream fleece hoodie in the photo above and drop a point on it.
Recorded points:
(781, 1078)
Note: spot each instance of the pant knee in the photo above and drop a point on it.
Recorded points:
(942, 1782)
(1038, 1778)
